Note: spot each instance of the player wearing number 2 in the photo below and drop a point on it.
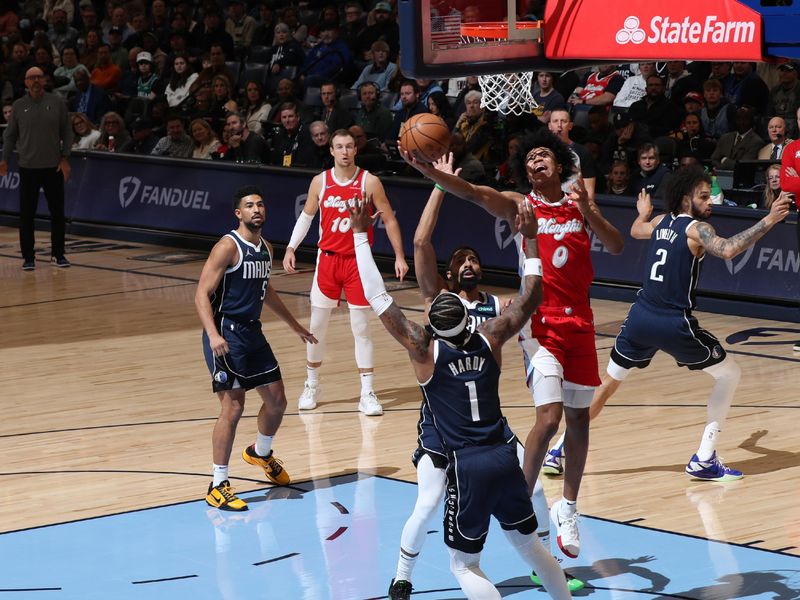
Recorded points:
(336, 270)
(661, 318)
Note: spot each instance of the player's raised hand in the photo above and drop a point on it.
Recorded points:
(580, 195)
(525, 221)
(361, 216)
(643, 204)
(445, 164)
(423, 168)
(780, 208)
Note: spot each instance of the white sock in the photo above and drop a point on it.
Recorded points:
(312, 376)
(366, 383)
(544, 538)
(220, 474)
(709, 442)
(567, 508)
(405, 565)
(263, 444)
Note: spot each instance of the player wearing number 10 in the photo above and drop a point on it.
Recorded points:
(661, 318)
(330, 192)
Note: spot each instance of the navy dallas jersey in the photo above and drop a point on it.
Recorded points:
(462, 394)
(671, 270)
(240, 294)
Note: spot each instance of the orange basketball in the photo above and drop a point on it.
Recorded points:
(425, 136)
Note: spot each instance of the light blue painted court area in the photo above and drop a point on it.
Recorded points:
(337, 539)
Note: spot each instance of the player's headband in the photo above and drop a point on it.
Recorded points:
(455, 330)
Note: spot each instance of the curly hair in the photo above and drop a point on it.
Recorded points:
(683, 183)
(542, 138)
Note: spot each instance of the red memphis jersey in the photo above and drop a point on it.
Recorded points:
(564, 248)
(335, 234)
(596, 84)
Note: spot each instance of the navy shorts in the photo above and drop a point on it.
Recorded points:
(647, 330)
(485, 481)
(249, 363)
(429, 442)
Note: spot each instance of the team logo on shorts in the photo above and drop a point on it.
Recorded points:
(716, 352)
(221, 377)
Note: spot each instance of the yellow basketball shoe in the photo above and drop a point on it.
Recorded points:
(223, 498)
(273, 468)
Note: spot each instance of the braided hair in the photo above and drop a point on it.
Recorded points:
(448, 318)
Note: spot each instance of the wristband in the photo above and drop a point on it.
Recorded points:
(440, 188)
(533, 266)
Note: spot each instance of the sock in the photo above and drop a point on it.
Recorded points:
(405, 565)
(366, 383)
(220, 474)
(709, 442)
(544, 538)
(312, 376)
(263, 444)
(567, 508)
(560, 445)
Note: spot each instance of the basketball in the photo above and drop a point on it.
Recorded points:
(425, 136)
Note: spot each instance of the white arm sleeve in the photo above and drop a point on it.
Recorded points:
(300, 230)
(371, 279)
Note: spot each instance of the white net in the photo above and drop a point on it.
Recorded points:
(506, 93)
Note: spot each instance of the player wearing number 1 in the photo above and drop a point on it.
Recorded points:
(661, 318)
(336, 270)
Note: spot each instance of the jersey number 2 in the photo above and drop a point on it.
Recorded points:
(654, 274)
(473, 400)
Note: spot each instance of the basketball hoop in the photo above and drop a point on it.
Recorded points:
(505, 93)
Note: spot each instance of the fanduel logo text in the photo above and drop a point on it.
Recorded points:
(129, 190)
(664, 30)
(9, 181)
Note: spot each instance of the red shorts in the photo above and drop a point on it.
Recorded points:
(337, 272)
(570, 338)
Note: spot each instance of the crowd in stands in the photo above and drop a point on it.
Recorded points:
(267, 82)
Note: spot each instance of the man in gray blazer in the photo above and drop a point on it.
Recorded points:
(742, 144)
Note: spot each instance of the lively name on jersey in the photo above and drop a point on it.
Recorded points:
(559, 230)
(666, 234)
(712, 30)
(468, 363)
(256, 269)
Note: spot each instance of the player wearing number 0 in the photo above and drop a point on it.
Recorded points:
(459, 374)
(661, 318)
(233, 287)
(559, 347)
(336, 266)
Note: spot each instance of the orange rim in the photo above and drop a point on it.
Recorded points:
(496, 30)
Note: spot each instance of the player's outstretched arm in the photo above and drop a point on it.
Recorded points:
(303, 224)
(513, 318)
(608, 234)
(502, 205)
(428, 278)
(643, 226)
(276, 305)
(704, 235)
(413, 337)
(377, 194)
(222, 256)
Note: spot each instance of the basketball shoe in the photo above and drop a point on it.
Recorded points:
(712, 469)
(567, 534)
(223, 498)
(273, 468)
(796, 347)
(369, 405)
(400, 590)
(308, 399)
(553, 462)
(573, 584)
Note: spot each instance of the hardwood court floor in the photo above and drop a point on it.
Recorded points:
(107, 404)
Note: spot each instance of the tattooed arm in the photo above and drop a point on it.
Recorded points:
(704, 235)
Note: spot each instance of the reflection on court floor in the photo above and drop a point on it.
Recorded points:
(337, 539)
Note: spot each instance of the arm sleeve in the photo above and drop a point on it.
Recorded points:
(371, 279)
(300, 230)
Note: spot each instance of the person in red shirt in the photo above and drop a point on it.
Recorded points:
(790, 182)
(337, 271)
(563, 324)
(106, 74)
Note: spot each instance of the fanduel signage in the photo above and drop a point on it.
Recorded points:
(131, 189)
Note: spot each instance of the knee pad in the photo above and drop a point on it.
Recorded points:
(359, 324)
(616, 371)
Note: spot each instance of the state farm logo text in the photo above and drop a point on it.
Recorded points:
(664, 30)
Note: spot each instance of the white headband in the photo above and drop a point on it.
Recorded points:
(453, 331)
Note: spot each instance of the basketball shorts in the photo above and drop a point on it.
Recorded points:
(337, 273)
(249, 362)
(567, 338)
(647, 330)
(485, 481)
(430, 442)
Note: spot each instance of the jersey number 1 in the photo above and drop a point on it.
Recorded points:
(473, 400)
(654, 274)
